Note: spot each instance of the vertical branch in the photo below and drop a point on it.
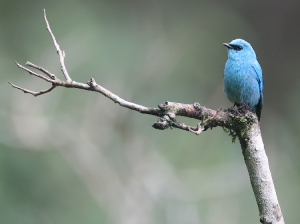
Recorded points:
(59, 52)
(260, 176)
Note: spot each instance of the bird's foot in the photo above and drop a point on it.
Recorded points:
(240, 110)
(234, 109)
(245, 109)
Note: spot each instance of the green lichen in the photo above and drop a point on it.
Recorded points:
(239, 124)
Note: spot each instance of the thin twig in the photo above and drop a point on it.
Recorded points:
(92, 85)
(31, 92)
(33, 73)
(52, 76)
(59, 51)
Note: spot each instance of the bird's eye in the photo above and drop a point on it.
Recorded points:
(239, 48)
(236, 47)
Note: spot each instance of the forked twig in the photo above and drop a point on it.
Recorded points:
(52, 76)
(33, 73)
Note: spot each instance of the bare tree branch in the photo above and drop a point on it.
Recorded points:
(238, 122)
(59, 51)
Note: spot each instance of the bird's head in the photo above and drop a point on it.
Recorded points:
(239, 49)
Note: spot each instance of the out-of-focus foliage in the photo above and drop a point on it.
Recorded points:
(72, 156)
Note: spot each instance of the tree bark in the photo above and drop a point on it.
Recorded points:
(260, 176)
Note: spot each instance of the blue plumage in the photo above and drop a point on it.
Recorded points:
(243, 81)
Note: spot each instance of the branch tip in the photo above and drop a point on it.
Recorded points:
(60, 53)
(18, 64)
(32, 92)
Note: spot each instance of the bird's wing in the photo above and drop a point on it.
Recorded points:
(259, 78)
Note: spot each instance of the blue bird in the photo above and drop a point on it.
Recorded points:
(243, 81)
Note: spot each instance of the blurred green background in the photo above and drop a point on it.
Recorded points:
(73, 156)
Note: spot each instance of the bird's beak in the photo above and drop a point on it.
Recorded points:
(227, 45)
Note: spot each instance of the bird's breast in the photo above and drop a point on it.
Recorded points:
(240, 83)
